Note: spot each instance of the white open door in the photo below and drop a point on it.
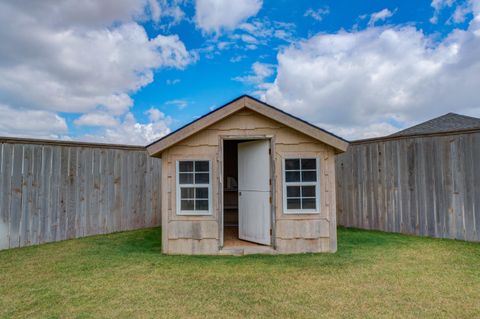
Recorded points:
(254, 191)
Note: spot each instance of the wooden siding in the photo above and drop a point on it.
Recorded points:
(425, 185)
(51, 191)
(196, 235)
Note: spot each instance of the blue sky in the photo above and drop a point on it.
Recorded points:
(131, 71)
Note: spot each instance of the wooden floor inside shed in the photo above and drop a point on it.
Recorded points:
(230, 238)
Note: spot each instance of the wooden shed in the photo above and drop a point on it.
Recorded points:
(248, 178)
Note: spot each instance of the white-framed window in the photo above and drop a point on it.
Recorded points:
(194, 187)
(301, 186)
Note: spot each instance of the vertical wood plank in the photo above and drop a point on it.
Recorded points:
(54, 202)
(26, 190)
(469, 187)
(5, 194)
(16, 196)
(476, 183)
(45, 212)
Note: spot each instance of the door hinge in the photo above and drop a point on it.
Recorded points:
(269, 151)
(270, 232)
(270, 199)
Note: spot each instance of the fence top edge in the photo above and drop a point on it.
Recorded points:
(23, 140)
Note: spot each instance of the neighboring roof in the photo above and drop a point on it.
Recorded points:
(247, 102)
(446, 123)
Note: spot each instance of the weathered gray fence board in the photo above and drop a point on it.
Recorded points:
(52, 191)
(424, 185)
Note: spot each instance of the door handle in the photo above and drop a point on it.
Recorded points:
(239, 193)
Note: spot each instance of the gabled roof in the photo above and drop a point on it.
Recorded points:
(247, 102)
(446, 123)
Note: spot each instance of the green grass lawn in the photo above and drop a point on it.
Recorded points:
(124, 275)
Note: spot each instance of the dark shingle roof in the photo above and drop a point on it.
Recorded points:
(446, 123)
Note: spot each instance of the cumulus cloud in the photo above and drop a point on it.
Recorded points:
(31, 123)
(130, 131)
(317, 14)
(371, 82)
(180, 104)
(460, 14)
(96, 119)
(84, 57)
(167, 10)
(438, 5)
(213, 16)
(262, 31)
(260, 71)
(249, 35)
(379, 16)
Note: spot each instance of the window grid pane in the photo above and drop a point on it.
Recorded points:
(187, 204)
(201, 166)
(194, 198)
(193, 174)
(301, 184)
(187, 193)
(185, 166)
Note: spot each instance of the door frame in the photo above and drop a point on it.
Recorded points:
(220, 161)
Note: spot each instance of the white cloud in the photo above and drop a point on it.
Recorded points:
(181, 104)
(438, 5)
(213, 16)
(31, 123)
(355, 132)
(317, 14)
(172, 82)
(365, 83)
(249, 35)
(260, 71)
(167, 10)
(76, 72)
(249, 39)
(265, 30)
(96, 119)
(379, 16)
(237, 58)
(460, 13)
(130, 131)
(84, 57)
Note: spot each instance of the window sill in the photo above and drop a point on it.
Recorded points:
(183, 213)
(297, 212)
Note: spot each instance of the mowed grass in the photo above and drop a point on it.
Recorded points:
(123, 275)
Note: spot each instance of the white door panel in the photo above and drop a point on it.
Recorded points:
(254, 166)
(254, 191)
(254, 216)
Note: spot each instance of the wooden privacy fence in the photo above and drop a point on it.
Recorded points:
(425, 185)
(52, 191)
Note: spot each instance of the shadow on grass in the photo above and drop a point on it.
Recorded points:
(137, 242)
(354, 247)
